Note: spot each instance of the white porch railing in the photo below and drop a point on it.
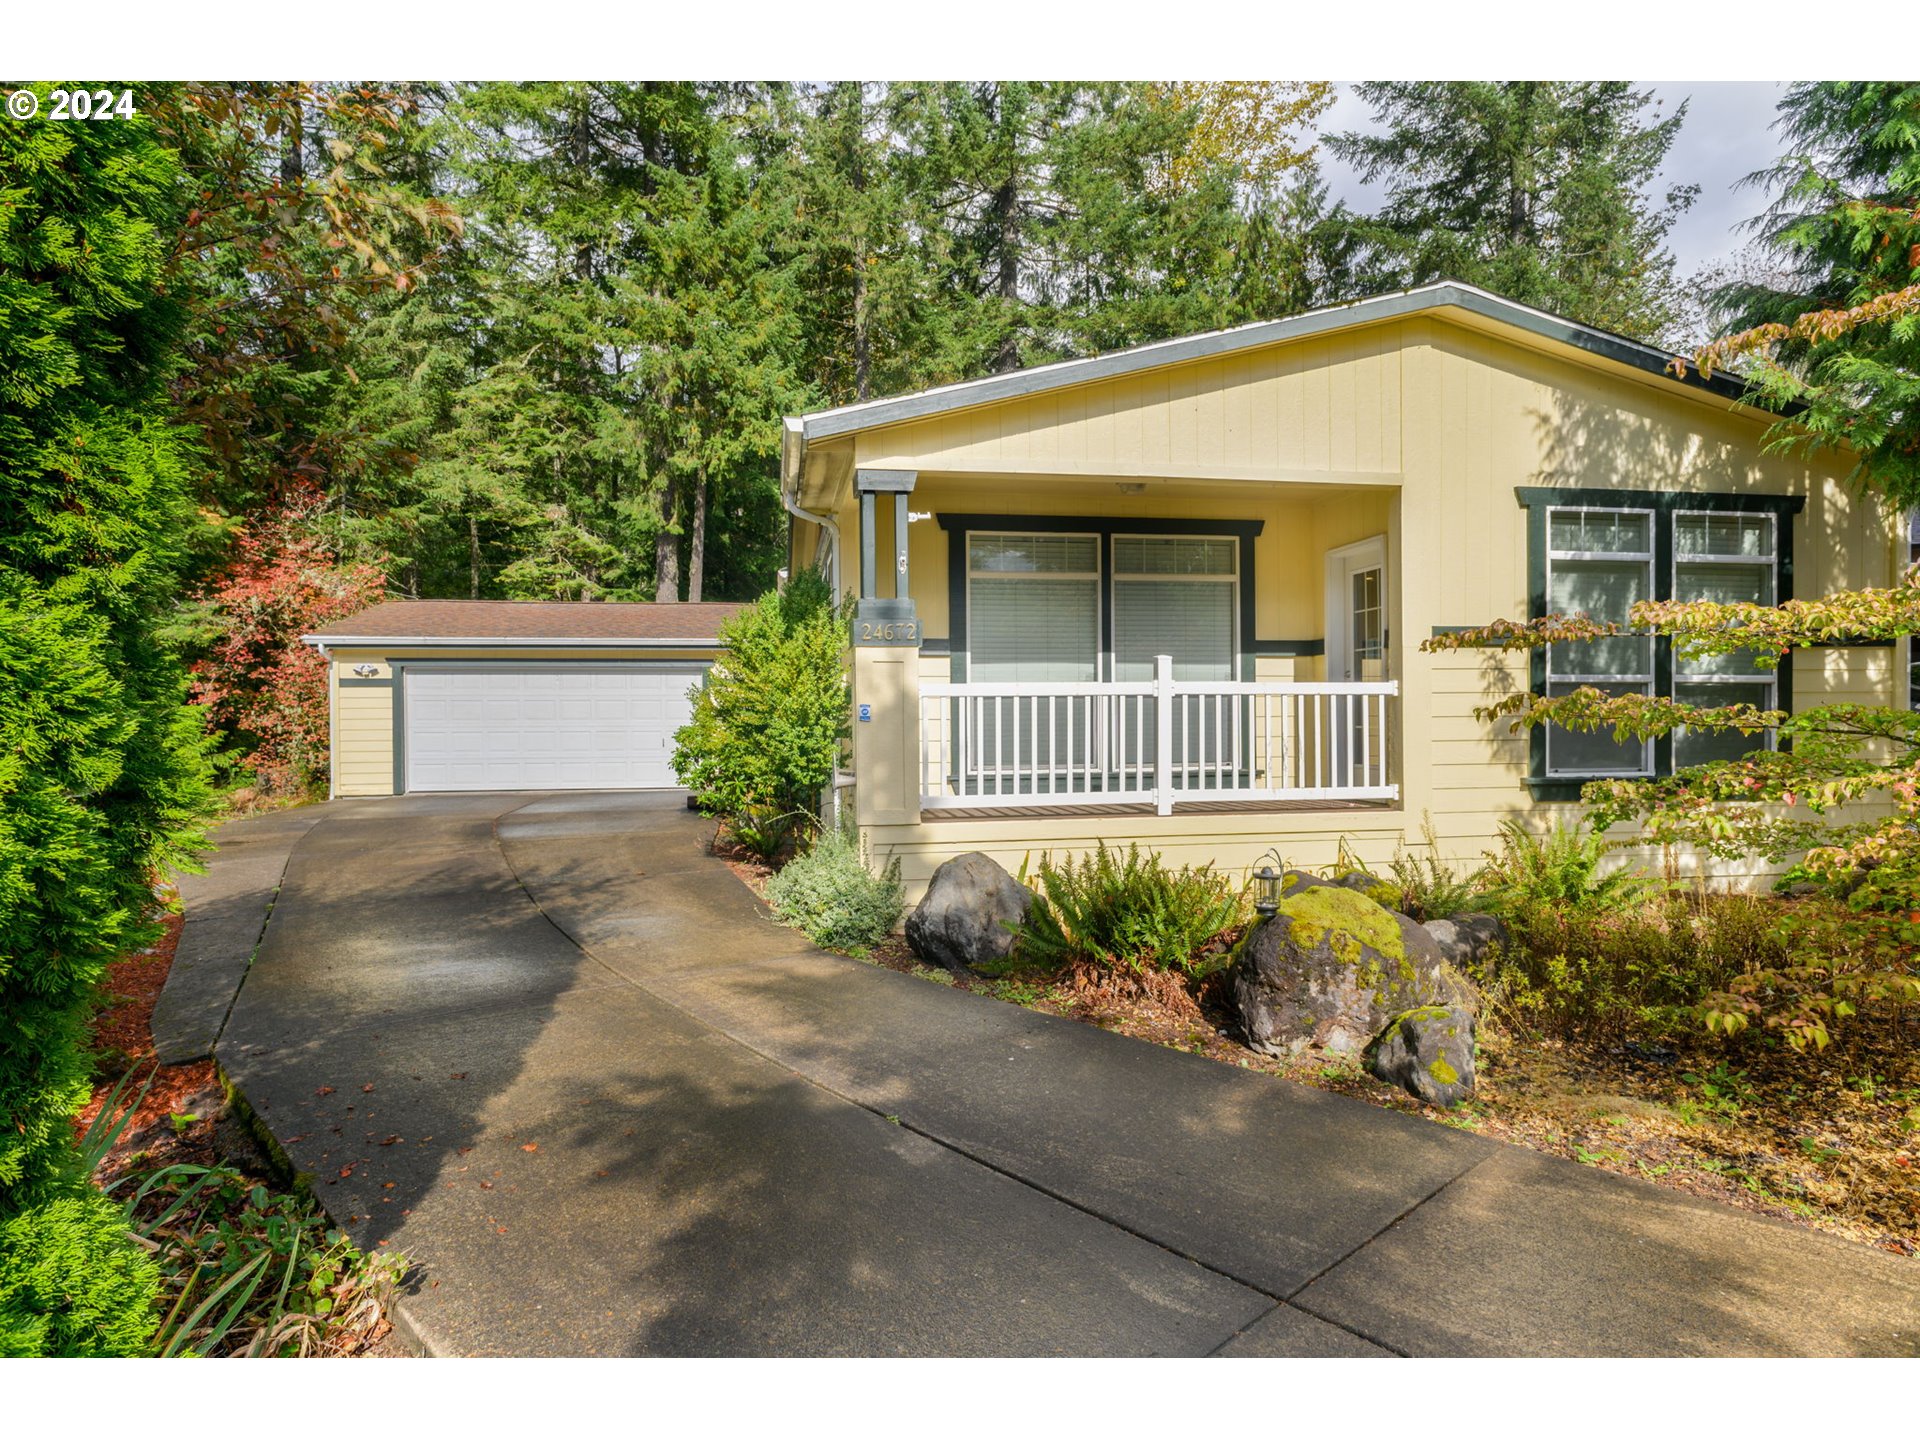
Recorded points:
(995, 745)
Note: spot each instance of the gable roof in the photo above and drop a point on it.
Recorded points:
(1442, 295)
(546, 623)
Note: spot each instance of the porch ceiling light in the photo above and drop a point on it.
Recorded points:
(1267, 904)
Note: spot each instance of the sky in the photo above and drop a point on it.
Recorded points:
(1724, 137)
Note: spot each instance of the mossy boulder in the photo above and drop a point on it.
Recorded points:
(1465, 940)
(1333, 967)
(1428, 1052)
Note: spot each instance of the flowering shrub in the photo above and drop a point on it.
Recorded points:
(265, 690)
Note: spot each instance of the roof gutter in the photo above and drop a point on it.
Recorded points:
(793, 454)
(509, 642)
(1438, 296)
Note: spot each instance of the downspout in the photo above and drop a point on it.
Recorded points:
(791, 455)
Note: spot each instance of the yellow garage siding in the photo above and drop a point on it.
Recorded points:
(362, 723)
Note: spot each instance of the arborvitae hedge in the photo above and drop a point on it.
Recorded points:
(102, 766)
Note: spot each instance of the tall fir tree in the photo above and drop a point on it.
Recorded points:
(1833, 333)
(1065, 231)
(1535, 189)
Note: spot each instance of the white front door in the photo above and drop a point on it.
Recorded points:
(558, 727)
(1357, 611)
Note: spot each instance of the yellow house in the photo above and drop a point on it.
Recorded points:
(1176, 595)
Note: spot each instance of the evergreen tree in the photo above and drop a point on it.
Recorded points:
(868, 257)
(1533, 189)
(1065, 229)
(102, 765)
(1834, 330)
(601, 361)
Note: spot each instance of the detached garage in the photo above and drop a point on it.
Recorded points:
(447, 695)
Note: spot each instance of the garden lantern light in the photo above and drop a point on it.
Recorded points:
(1268, 901)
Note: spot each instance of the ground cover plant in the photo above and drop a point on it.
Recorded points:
(830, 891)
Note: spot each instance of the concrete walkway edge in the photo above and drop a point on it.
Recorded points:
(227, 906)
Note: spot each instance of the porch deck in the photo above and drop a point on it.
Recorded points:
(1188, 807)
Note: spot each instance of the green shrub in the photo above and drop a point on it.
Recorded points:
(1650, 968)
(831, 894)
(1563, 866)
(1132, 912)
(71, 1284)
(103, 767)
(1430, 887)
(769, 718)
(765, 829)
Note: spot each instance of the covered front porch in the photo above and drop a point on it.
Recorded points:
(1103, 645)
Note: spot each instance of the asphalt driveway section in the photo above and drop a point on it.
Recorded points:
(1412, 1236)
(579, 1167)
(226, 908)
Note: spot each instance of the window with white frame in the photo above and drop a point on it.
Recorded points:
(1178, 596)
(1728, 557)
(1599, 563)
(1033, 607)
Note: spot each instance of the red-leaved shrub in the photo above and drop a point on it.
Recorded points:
(265, 690)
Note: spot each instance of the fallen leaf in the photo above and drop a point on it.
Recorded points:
(387, 1186)
(324, 1090)
(530, 1148)
(459, 1074)
(347, 1169)
(393, 1140)
(366, 1089)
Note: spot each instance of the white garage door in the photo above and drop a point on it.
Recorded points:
(559, 728)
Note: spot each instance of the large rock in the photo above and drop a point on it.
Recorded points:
(1466, 939)
(1427, 1052)
(968, 913)
(1332, 968)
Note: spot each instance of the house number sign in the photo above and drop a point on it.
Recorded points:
(885, 622)
(888, 632)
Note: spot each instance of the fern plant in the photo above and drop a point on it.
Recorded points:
(1129, 911)
(1430, 887)
(1562, 867)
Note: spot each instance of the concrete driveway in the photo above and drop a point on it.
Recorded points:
(560, 1057)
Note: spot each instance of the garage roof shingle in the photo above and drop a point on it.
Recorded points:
(545, 620)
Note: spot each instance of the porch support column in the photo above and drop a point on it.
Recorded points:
(886, 665)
